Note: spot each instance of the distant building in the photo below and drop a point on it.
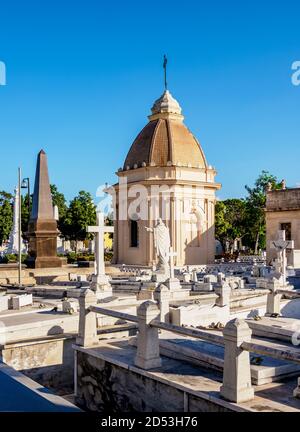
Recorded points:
(166, 154)
(283, 213)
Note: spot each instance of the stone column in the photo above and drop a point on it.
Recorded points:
(87, 334)
(194, 276)
(273, 303)
(297, 390)
(220, 278)
(236, 375)
(273, 299)
(148, 240)
(162, 297)
(173, 222)
(147, 356)
(115, 259)
(223, 292)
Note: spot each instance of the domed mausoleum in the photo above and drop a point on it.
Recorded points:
(165, 175)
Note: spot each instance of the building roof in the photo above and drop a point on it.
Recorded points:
(165, 140)
(283, 199)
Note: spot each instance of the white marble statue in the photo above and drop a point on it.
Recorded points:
(162, 244)
(281, 245)
(13, 243)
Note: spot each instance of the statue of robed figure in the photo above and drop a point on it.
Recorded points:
(162, 244)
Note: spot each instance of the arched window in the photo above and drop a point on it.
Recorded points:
(134, 233)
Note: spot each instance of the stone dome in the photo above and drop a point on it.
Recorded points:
(165, 140)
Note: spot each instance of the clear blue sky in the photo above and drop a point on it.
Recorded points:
(82, 76)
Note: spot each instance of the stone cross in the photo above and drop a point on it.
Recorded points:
(171, 262)
(281, 245)
(99, 231)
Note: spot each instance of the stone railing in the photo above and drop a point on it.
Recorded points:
(241, 266)
(221, 267)
(151, 318)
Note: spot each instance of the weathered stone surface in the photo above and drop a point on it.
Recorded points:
(147, 356)
(122, 390)
(49, 362)
(20, 301)
(4, 303)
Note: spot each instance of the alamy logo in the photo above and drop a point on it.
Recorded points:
(2, 74)
(296, 74)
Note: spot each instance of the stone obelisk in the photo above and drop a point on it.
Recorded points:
(42, 228)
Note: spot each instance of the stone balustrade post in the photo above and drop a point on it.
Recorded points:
(273, 300)
(162, 296)
(194, 276)
(220, 278)
(147, 356)
(87, 334)
(236, 375)
(223, 292)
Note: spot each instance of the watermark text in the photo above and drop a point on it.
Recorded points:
(2, 73)
(296, 74)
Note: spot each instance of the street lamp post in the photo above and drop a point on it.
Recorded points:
(20, 230)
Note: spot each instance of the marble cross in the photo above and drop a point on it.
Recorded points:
(281, 245)
(171, 262)
(99, 231)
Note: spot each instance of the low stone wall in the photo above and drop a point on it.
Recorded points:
(111, 386)
(46, 326)
(50, 362)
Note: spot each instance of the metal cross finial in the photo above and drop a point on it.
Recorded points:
(165, 69)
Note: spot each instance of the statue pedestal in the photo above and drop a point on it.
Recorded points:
(101, 286)
(176, 290)
(173, 284)
(42, 244)
(159, 277)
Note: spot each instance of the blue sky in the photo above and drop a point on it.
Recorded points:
(82, 77)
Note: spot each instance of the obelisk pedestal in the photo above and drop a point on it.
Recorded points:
(42, 228)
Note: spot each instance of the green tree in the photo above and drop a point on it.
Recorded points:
(59, 200)
(80, 214)
(230, 221)
(6, 215)
(256, 202)
(109, 220)
(25, 213)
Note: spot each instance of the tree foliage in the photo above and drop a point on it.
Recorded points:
(230, 223)
(6, 215)
(256, 202)
(25, 212)
(245, 218)
(80, 214)
(59, 200)
(73, 219)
